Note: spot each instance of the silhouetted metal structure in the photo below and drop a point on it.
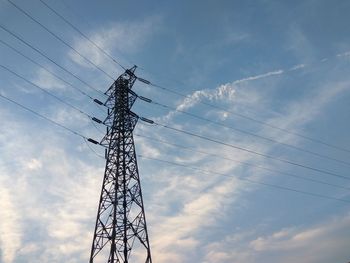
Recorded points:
(121, 232)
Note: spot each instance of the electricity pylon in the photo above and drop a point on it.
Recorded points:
(121, 232)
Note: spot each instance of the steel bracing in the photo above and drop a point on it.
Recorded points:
(121, 232)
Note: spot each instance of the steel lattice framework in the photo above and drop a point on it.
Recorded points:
(120, 232)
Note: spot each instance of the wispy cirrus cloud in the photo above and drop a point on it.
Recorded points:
(223, 92)
(228, 91)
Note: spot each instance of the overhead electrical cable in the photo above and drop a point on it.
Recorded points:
(42, 116)
(186, 132)
(173, 163)
(183, 95)
(177, 93)
(248, 133)
(87, 22)
(60, 39)
(82, 34)
(250, 118)
(51, 60)
(192, 149)
(47, 92)
(245, 179)
(46, 69)
(251, 151)
(155, 85)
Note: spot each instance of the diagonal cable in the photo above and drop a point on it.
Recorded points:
(245, 179)
(60, 39)
(82, 34)
(42, 116)
(192, 149)
(250, 133)
(47, 92)
(251, 119)
(267, 156)
(48, 58)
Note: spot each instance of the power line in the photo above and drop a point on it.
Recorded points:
(164, 161)
(187, 148)
(46, 69)
(47, 92)
(250, 118)
(51, 32)
(60, 39)
(86, 21)
(246, 179)
(42, 116)
(248, 133)
(240, 148)
(251, 151)
(82, 34)
(211, 105)
(86, 139)
(48, 58)
(177, 93)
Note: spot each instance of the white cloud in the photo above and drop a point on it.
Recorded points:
(256, 77)
(223, 92)
(228, 91)
(70, 117)
(296, 67)
(175, 236)
(145, 148)
(344, 54)
(33, 164)
(10, 224)
(47, 81)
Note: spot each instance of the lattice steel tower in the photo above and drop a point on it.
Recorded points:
(120, 232)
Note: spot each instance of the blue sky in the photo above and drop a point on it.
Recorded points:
(281, 62)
